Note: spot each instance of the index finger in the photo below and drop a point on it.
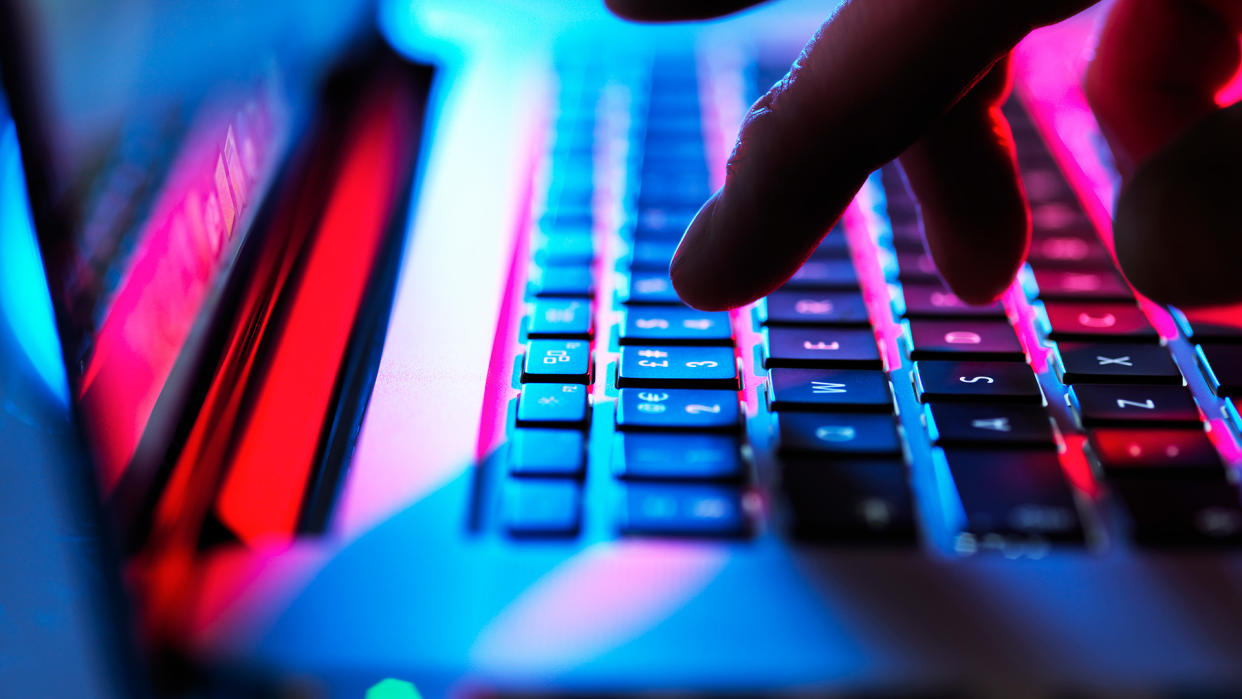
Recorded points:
(872, 80)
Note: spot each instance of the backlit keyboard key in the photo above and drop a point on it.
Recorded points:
(562, 281)
(677, 456)
(1182, 512)
(543, 452)
(1134, 405)
(1107, 362)
(1166, 453)
(560, 318)
(934, 301)
(982, 382)
(1060, 216)
(542, 508)
(670, 325)
(963, 339)
(544, 404)
(651, 288)
(824, 433)
(1013, 495)
(829, 389)
(813, 308)
(677, 367)
(683, 510)
(677, 409)
(1069, 251)
(1098, 321)
(965, 424)
(1094, 285)
(820, 347)
(557, 361)
(850, 501)
(819, 273)
(1222, 366)
(916, 268)
(652, 254)
(564, 249)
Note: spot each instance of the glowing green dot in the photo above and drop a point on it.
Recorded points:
(393, 688)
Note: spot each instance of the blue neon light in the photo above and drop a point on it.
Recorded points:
(25, 303)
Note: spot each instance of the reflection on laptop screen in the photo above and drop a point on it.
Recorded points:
(152, 132)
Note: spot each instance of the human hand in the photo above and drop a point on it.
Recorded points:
(923, 81)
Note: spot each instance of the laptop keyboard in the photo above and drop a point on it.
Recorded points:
(879, 408)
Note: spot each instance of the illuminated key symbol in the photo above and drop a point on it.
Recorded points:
(1087, 320)
(652, 323)
(561, 315)
(705, 363)
(835, 433)
(976, 379)
(807, 344)
(651, 285)
(1065, 248)
(548, 400)
(652, 353)
(962, 337)
(710, 508)
(571, 388)
(1053, 215)
(554, 356)
(1217, 521)
(1120, 361)
(651, 407)
(697, 323)
(940, 299)
(653, 397)
(827, 387)
(813, 306)
(1081, 282)
(996, 424)
(1148, 404)
(696, 409)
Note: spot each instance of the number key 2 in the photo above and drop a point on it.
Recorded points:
(677, 367)
(677, 409)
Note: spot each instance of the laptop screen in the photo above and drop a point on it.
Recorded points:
(151, 132)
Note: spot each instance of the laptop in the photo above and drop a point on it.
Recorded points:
(371, 344)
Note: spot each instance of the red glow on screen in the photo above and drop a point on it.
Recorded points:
(263, 492)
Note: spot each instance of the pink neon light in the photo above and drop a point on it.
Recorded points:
(871, 276)
(1232, 91)
(1049, 65)
(497, 393)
